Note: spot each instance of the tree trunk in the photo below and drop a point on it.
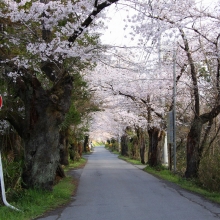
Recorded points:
(79, 149)
(193, 145)
(64, 152)
(42, 153)
(193, 149)
(141, 143)
(154, 151)
(86, 143)
(124, 145)
(45, 111)
(142, 147)
(72, 151)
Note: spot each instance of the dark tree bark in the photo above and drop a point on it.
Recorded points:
(72, 151)
(193, 146)
(64, 148)
(124, 145)
(136, 151)
(193, 155)
(86, 143)
(45, 110)
(154, 158)
(141, 143)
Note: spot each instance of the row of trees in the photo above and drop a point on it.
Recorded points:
(46, 45)
(184, 33)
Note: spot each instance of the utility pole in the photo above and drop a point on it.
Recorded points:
(174, 106)
(119, 139)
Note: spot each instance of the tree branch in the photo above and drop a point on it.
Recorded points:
(212, 114)
(96, 3)
(89, 19)
(205, 136)
(193, 73)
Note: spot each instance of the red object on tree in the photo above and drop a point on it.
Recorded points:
(1, 101)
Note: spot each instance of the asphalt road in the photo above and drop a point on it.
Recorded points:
(111, 189)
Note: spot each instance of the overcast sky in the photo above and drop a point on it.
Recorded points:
(116, 35)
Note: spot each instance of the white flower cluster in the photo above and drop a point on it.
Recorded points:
(4, 125)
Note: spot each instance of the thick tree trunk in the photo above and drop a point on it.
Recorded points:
(42, 153)
(154, 151)
(142, 147)
(136, 154)
(193, 149)
(86, 143)
(64, 152)
(193, 145)
(72, 151)
(45, 111)
(124, 145)
(141, 144)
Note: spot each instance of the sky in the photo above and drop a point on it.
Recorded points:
(115, 34)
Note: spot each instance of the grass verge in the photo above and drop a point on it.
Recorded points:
(34, 203)
(132, 161)
(112, 151)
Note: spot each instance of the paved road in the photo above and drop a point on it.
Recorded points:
(111, 189)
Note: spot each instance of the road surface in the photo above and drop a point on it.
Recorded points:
(111, 189)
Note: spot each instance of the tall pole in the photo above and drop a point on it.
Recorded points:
(162, 102)
(119, 138)
(174, 106)
(119, 127)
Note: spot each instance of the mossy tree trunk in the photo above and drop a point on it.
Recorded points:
(39, 128)
(42, 153)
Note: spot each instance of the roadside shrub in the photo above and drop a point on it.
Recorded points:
(209, 172)
(107, 145)
(12, 177)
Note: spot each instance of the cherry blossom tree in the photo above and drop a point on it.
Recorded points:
(136, 92)
(192, 30)
(42, 44)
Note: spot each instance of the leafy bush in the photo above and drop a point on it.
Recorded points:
(209, 172)
(12, 177)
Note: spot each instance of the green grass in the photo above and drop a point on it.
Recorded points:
(111, 150)
(34, 203)
(97, 143)
(190, 185)
(114, 151)
(132, 161)
(76, 164)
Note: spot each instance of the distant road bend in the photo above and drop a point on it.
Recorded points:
(111, 189)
